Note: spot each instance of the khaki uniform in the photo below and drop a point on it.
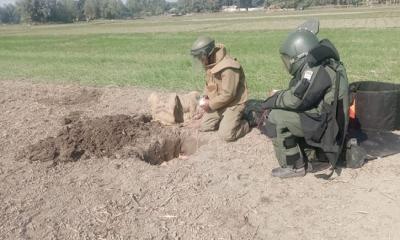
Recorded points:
(227, 92)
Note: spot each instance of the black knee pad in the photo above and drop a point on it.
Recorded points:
(269, 129)
(291, 159)
(295, 160)
(290, 142)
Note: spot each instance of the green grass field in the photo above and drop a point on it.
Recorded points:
(154, 52)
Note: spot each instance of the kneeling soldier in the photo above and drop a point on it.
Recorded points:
(225, 90)
(311, 116)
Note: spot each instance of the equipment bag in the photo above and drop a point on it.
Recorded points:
(377, 105)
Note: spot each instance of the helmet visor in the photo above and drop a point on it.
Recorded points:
(198, 72)
(286, 61)
(199, 61)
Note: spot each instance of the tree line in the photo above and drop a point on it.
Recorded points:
(67, 11)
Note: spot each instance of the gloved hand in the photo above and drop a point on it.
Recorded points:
(270, 102)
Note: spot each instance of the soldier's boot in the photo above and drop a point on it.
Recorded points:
(287, 151)
(309, 167)
(319, 162)
(288, 172)
(295, 168)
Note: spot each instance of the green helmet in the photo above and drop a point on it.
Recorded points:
(202, 46)
(296, 47)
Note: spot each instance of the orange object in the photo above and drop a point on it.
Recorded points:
(352, 110)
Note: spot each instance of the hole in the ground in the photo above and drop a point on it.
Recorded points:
(118, 136)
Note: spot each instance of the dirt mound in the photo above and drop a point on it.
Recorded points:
(111, 136)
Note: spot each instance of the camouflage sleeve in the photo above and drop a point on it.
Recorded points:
(306, 93)
(230, 82)
(287, 99)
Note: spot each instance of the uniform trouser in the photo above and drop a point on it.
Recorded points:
(289, 135)
(228, 121)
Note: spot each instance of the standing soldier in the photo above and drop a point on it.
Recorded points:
(225, 90)
(309, 118)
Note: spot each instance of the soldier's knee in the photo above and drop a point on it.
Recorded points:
(227, 136)
(273, 115)
(207, 127)
(290, 142)
(269, 129)
(228, 131)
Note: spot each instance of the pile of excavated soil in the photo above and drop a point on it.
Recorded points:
(110, 136)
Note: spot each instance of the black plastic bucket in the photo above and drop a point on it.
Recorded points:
(377, 105)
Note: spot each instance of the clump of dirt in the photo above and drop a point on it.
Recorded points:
(71, 117)
(110, 136)
(80, 97)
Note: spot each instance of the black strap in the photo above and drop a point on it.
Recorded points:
(334, 66)
(335, 105)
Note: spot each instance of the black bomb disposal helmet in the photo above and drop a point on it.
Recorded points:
(297, 44)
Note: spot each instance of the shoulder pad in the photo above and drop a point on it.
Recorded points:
(323, 51)
(227, 62)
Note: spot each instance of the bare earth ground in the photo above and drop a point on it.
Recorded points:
(224, 191)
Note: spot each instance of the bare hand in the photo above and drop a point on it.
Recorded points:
(206, 105)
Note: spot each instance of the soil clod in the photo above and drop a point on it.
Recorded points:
(71, 118)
